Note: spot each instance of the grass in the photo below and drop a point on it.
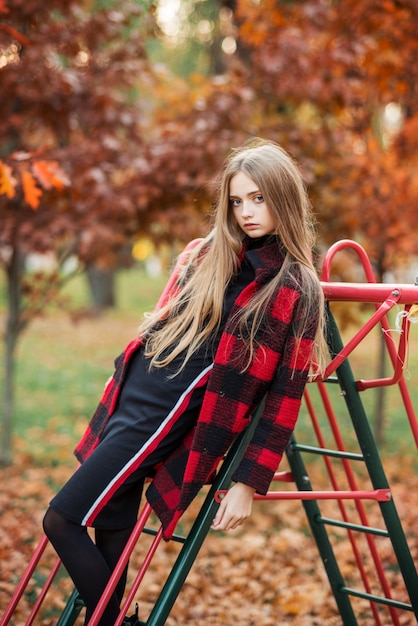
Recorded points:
(62, 366)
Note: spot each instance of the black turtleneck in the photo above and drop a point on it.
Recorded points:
(245, 274)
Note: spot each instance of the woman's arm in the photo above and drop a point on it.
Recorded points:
(235, 507)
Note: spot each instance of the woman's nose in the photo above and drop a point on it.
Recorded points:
(247, 209)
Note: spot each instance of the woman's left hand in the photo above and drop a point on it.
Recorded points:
(235, 507)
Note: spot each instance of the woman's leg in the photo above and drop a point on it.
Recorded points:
(84, 562)
(111, 544)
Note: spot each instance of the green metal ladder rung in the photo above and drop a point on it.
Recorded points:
(152, 531)
(377, 599)
(333, 380)
(350, 526)
(338, 454)
(72, 609)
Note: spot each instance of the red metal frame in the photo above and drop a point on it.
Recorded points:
(388, 295)
(380, 495)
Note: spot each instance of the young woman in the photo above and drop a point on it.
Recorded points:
(242, 321)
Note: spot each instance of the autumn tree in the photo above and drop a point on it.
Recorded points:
(71, 131)
(335, 83)
(329, 78)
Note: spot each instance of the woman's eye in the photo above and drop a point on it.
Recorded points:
(235, 202)
(259, 198)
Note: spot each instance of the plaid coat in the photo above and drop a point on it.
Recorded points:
(279, 369)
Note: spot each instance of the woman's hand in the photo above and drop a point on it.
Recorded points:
(235, 507)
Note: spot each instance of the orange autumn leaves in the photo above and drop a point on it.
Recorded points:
(266, 573)
(31, 176)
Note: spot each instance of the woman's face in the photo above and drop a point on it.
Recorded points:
(250, 210)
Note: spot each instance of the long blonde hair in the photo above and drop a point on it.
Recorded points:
(194, 313)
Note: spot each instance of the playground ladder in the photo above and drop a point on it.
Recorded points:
(354, 494)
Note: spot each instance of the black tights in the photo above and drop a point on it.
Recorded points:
(89, 564)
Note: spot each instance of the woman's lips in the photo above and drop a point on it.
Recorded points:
(251, 226)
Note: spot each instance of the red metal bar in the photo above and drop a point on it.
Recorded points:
(398, 357)
(342, 245)
(369, 292)
(354, 341)
(374, 293)
(409, 408)
(23, 583)
(284, 477)
(123, 561)
(381, 495)
(42, 595)
(139, 577)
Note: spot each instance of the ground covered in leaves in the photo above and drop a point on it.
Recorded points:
(267, 573)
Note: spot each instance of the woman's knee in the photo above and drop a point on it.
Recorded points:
(54, 524)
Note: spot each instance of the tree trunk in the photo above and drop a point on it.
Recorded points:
(102, 287)
(13, 329)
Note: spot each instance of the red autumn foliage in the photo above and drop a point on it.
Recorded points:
(139, 145)
(323, 75)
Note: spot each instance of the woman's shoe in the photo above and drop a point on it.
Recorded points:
(133, 620)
